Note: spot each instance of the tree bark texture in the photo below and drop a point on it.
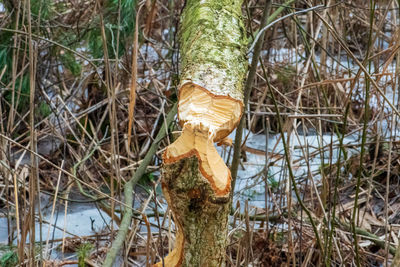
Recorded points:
(196, 182)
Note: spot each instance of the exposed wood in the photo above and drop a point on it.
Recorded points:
(196, 182)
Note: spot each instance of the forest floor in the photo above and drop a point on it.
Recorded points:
(323, 109)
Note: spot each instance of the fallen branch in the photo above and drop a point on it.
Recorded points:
(374, 238)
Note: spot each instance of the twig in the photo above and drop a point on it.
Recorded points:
(261, 32)
(128, 190)
(132, 96)
(374, 238)
(247, 91)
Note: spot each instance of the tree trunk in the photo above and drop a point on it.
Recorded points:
(196, 182)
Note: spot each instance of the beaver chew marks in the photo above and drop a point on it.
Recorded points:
(206, 119)
(195, 181)
(219, 114)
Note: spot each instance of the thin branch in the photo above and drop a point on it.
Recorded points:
(128, 190)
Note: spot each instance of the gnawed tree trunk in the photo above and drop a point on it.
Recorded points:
(196, 182)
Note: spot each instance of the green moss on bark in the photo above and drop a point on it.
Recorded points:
(213, 56)
(213, 46)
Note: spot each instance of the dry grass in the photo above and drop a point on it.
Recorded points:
(329, 73)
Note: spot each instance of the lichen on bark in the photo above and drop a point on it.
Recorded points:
(196, 182)
(213, 46)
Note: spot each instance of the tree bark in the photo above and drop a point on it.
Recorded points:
(196, 182)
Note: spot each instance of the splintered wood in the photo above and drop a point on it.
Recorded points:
(196, 182)
(206, 119)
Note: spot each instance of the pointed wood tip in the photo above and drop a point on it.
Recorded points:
(195, 141)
